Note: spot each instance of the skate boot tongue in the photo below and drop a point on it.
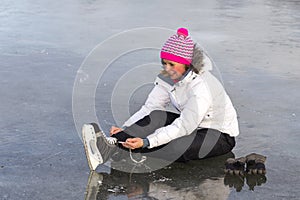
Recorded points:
(106, 146)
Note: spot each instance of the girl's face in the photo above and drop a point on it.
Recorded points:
(175, 70)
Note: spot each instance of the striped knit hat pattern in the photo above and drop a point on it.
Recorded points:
(178, 48)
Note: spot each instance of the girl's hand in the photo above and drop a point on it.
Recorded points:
(133, 143)
(114, 130)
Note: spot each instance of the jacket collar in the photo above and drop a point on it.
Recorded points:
(183, 76)
(187, 77)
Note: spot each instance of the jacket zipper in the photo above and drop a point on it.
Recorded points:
(175, 104)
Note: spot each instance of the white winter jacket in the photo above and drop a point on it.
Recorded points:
(201, 101)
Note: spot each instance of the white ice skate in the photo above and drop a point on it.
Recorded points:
(98, 147)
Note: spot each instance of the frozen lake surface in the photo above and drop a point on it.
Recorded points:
(254, 44)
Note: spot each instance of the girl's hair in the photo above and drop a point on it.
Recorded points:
(194, 69)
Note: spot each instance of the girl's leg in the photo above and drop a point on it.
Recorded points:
(200, 144)
(147, 125)
(150, 123)
(208, 143)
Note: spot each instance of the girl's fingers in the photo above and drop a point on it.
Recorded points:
(127, 145)
(134, 142)
(114, 130)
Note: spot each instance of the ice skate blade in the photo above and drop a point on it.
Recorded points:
(90, 145)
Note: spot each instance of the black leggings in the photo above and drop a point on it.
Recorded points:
(202, 143)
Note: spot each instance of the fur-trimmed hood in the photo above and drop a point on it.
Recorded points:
(201, 60)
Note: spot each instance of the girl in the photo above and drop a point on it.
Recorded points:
(206, 123)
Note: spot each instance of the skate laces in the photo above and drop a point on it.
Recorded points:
(137, 161)
(112, 141)
(109, 140)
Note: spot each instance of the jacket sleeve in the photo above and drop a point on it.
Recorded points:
(190, 117)
(158, 99)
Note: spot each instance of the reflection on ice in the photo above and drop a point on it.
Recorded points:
(203, 179)
(238, 182)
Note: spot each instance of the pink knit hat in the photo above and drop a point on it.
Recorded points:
(178, 48)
